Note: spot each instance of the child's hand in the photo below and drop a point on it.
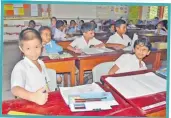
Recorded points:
(77, 51)
(99, 45)
(40, 97)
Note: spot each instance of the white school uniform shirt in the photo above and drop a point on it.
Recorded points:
(117, 39)
(59, 35)
(81, 43)
(26, 75)
(128, 63)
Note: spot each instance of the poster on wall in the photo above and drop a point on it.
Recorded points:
(112, 12)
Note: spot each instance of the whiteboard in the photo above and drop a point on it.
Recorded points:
(73, 11)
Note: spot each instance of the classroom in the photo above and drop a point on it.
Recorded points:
(84, 60)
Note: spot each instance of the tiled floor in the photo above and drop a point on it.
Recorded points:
(11, 55)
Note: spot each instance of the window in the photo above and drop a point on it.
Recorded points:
(165, 15)
(153, 12)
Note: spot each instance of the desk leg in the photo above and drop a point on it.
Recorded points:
(81, 75)
(73, 78)
(65, 79)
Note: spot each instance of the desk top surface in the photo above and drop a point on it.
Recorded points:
(144, 101)
(57, 106)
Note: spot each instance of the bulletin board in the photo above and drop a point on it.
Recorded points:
(112, 12)
(22, 11)
(134, 13)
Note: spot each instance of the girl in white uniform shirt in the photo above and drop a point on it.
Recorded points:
(132, 62)
(119, 40)
(29, 78)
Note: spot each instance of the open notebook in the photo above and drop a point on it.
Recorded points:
(138, 85)
(96, 50)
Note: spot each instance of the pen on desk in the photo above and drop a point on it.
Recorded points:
(89, 99)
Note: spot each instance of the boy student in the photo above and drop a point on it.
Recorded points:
(29, 78)
(86, 41)
(32, 24)
(72, 27)
(50, 45)
(119, 40)
(59, 34)
(53, 25)
(132, 62)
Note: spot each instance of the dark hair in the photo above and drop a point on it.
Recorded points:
(59, 23)
(156, 18)
(94, 23)
(145, 41)
(65, 21)
(72, 21)
(44, 28)
(29, 34)
(111, 25)
(82, 21)
(85, 27)
(53, 18)
(119, 22)
(32, 21)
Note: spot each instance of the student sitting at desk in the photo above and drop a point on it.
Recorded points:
(161, 29)
(86, 41)
(119, 40)
(53, 25)
(80, 24)
(32, 24)
(66, 26)
(59, 34)
(132, 62)
(29, 78)
(72, 28)
(50, 46)
(112, 29)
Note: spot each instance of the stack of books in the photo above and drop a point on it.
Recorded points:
(162, 72)
(89, 97)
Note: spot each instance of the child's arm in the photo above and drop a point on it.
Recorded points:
(112, 45)
(113, 70)
(38, 97)
(73, 49)
(99, 45)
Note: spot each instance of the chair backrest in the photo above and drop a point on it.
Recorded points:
(100, 70)
(52, 75)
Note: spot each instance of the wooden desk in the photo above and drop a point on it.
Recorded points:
(62, 66)
(57, 107)
(141, 102)
(64, 44)
(154, 37)
(88, 62)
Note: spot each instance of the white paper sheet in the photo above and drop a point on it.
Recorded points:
(138, 85)
(96, 50)
(65, 91)
(17, 5)
(34, 10)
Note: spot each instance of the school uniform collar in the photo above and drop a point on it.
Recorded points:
(50, 43)
(137, 61)
(119, 35)
(30, 63)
